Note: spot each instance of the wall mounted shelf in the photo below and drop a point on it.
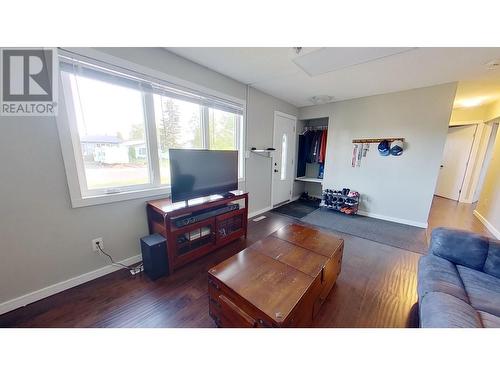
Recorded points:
(266, 152)
(376, 140)
(309, 179)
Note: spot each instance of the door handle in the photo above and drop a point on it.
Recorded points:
(441, 166)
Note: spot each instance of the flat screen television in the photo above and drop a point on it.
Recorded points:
(199, 173)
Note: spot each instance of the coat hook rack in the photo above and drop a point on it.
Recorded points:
(376, 140)
(312, 128)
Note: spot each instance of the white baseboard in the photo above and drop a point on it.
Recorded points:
(63, 285)
(394, 219)
(255, 213)
(487, 224)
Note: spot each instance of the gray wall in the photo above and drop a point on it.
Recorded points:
(43, 240)
(399, 188)
(162, 60)
(260, 118)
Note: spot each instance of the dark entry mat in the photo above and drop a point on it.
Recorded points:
(297, 208)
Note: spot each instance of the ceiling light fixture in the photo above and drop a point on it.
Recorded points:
(321, 99)
(492, 65)
(471, 102)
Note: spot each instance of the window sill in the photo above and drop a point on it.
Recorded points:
(118, 197)
(78, 202)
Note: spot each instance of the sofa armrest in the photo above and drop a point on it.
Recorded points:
(460, 247)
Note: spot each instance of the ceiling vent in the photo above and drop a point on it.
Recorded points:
(324, 60)
(321, 99)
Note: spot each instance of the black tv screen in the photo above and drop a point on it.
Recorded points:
(198, 173)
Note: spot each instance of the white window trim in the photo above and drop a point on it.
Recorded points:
(71, 149)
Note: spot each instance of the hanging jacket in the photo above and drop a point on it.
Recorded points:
(309, 141)
(322, 151)
(301, 159)
(315, 147)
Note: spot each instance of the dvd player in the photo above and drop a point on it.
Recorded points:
(191, 219)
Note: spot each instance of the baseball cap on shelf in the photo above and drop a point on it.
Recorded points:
(383, 148)
(397, 148)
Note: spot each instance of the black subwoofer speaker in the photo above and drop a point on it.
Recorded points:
(154, 256)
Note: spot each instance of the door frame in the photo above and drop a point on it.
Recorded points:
(470, 160)
(292, 142)
(477, 160)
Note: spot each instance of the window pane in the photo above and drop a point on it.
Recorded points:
(223, 130)
(225, 133)
(111, 126)
(284, 151)
(178, 125)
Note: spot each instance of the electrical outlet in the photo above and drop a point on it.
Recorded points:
(96, 241)
(135, 271)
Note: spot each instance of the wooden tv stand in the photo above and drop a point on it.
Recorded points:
(189, 242)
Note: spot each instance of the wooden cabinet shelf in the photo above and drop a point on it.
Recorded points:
(189, 242)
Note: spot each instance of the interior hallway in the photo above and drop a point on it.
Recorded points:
(453, 214)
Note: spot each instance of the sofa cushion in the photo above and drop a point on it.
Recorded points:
(492, 263)
(460, 247)
(489, 320)
(482, 289)
(437, 274)
(441, 310)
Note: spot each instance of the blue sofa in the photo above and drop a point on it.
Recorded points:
(459, 281)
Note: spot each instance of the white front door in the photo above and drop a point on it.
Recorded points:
(454, 165)
(282, 161)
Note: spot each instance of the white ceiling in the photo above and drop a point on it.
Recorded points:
(346, 73)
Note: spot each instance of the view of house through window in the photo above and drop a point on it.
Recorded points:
(111, 127)
(121, 124)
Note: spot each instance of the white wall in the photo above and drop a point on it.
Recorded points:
(43, 240)
(488, 207)
(394, 188)
(491, 130)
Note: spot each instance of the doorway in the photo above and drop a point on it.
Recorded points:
(490, 135)
(467, 153)
(283, 158)
(456, 156)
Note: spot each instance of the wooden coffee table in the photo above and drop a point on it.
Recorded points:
(280, 281)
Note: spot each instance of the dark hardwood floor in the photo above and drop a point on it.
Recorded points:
(376, 288)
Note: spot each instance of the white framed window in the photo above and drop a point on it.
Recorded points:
(121, 126)
(225, 132)
(284, 155)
